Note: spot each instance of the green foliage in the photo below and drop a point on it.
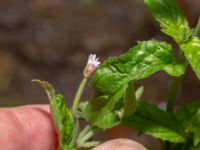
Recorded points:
(192, 53)
(189, 115)
(107, 107)
(153, 121)
(61, 115)
(171, 19)
(115, 100)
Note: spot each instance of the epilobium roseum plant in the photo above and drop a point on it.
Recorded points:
(115, 100)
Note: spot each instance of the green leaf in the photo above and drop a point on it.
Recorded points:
(186, 112)
(103, 111)
(171, 19)
(63, 118)
(61, 115)
(111, 80)
(153, 121)
(192, 53)
(189, 115)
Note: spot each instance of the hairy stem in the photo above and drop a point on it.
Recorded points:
(78, 95)
(74, 111)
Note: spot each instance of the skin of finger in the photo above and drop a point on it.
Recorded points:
(120, 144)
(27, 128)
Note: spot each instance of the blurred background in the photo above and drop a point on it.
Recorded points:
(51, 40)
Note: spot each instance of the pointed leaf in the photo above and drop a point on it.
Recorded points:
(153, 121)
(192, 53)
(171, 19)
(61, 115)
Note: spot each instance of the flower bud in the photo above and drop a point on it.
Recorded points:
(91, 66)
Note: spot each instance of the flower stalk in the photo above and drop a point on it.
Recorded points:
(90, 68)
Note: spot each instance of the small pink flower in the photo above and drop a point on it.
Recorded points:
(92, 64)
(92, 60)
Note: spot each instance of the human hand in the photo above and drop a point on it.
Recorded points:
(30, 128)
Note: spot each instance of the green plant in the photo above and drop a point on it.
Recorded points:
(115, 100)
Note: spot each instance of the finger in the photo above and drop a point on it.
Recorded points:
(27, 128)
(120, 144)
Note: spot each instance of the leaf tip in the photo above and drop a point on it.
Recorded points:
(36, 81)
(47, 86)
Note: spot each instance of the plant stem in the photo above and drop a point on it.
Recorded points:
(85, 135)
(75, 134)
(90, 144)
(173, 92)
(175, 85)
(83, 132)
(197, 29)
(74, 111)
(78, 95)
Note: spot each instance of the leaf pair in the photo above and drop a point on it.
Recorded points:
(112, 81)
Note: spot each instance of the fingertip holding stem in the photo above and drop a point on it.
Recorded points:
(120, 144)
